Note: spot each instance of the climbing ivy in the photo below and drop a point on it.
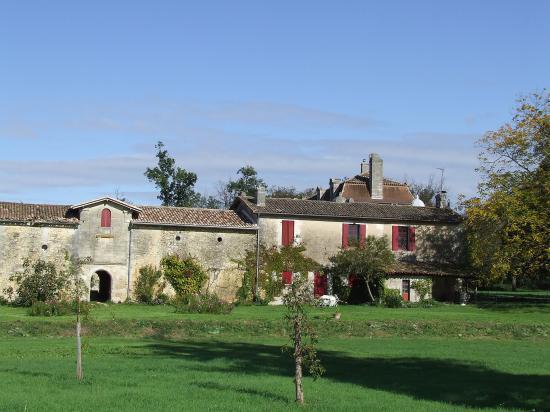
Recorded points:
(273, 261)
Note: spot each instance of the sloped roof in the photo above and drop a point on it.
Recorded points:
(427, 269)
(107, 199)
(177, 216)
(366, 211)
(37, 213)
(191, 217)
(358, 189)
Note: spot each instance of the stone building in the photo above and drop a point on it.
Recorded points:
(120, 238)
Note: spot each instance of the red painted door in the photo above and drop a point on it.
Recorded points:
(406, 290)
(319, 284)
(287, 278)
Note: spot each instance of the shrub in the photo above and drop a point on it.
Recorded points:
(392, 298)
(61, 308)
(148, 287)
(423, 288)
(39, 281)
(340, 289)
(203, 303)
(185, 275)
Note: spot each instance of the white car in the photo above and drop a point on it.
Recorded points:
(328, 300)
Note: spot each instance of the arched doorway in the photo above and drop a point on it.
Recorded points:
(100, 286)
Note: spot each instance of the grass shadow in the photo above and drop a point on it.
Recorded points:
(443, 380)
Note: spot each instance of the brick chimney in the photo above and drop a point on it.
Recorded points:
(376, 177)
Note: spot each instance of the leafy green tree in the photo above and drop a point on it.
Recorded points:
(208, 202)
(175, 184)
(290, 192)
(508, 225)
(369, 261)
(246, 182)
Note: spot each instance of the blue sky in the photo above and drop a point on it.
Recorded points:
(302, 90)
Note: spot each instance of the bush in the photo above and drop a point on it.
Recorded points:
(148, 287)
(423, 288)
(52, 308)
(185, 275)
(392, 298)
(340, 289)
(204, 303)
(39, 281)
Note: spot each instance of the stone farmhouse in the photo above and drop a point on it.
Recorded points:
(120, 237)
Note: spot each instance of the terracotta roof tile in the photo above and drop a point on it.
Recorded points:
(428, 269)
(28, 212)
(191, 217)
(367, 211)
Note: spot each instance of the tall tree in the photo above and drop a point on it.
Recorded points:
(368, 260)
(247, 182)
(509, 222)
(175, 184)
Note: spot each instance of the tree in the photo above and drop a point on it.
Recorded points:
(298, 298)
(425, 191)
(290, 192)
(508, 224)
(77, 290)
(368, 260)
(247, 182)
(208, 202)
(175, 184)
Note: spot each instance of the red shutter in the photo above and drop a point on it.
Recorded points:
(412, 240)
(105, 218)
(288, 233)
(287, 278)
(345, 235)
(394, 238)
(352, 280)
(362, 234)
(319, 284)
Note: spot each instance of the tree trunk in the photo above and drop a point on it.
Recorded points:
(78, 345)
(514, 283)
(298, 360)
(370, 293)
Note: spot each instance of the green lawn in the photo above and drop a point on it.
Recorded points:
(37, 374)
(150, 358)
(502, 313)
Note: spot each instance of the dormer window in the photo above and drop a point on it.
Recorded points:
(105, 218)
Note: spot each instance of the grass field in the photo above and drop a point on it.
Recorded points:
(236, 370)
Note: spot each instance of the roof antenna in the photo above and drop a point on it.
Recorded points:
(441, 182)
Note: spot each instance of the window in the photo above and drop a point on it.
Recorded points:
(105, 218)
(353, 234)
(403, 238)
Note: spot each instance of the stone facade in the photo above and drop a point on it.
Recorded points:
(118, 251)
(322, 239)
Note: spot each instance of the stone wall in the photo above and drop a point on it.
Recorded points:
(216, 249)
(19, 242)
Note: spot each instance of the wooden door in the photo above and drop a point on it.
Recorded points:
(319, 284)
